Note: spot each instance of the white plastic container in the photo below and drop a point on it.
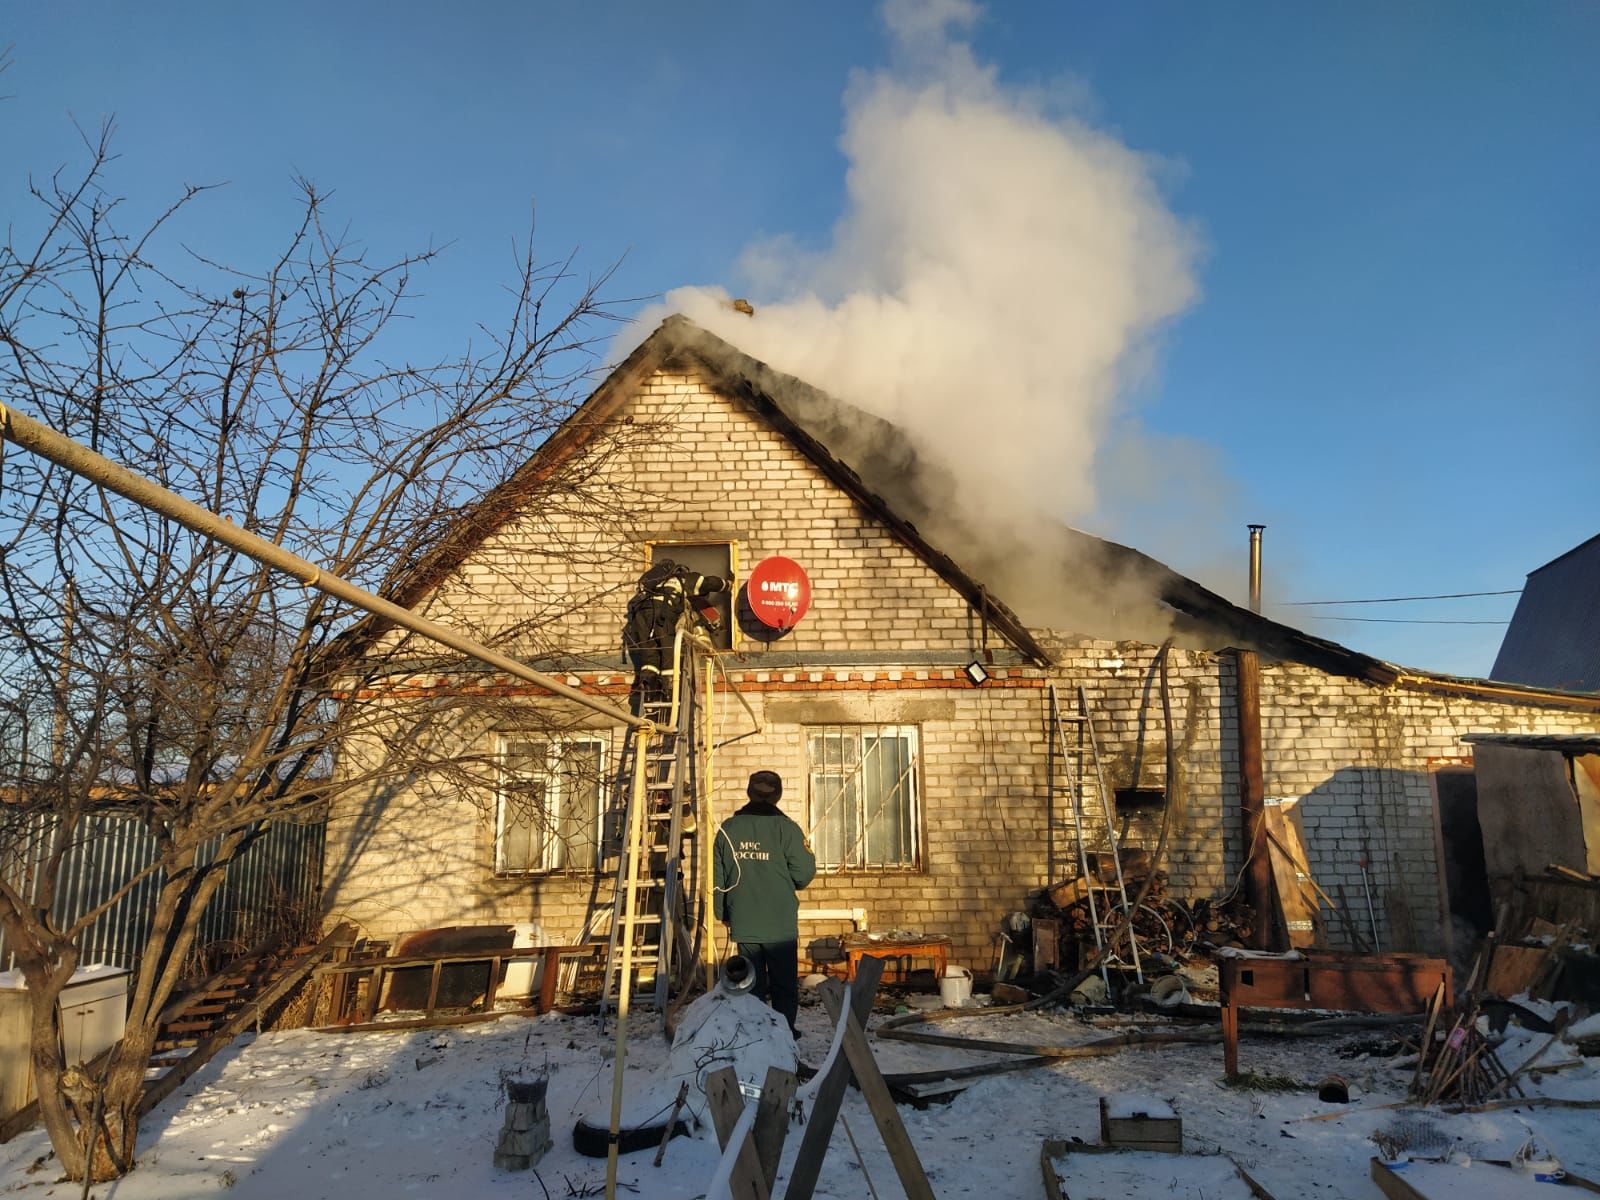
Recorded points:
(520, 974)
(955, 989)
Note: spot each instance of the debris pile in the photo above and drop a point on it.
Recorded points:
(1456, 1062)
(1063, 918)
(1547, 960)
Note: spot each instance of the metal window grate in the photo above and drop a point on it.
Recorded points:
(863, 795)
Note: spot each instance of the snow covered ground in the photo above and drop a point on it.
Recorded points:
(302, 1115)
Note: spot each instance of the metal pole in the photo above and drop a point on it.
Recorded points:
(1255, 567)
(706, 833)
(1258, 887)
(80, 460)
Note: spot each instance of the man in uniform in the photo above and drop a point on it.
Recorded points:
(664, 594)
(762, 861)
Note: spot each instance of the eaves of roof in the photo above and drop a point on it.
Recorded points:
(1570, 744)
(1192, 607)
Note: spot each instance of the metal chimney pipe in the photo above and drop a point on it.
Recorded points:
(1255, 567)
(1258, 884)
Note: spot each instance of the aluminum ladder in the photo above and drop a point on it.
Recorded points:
(1094, 821)
(656, 929)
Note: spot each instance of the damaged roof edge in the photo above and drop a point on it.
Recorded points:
(678, 339)
(996, 612)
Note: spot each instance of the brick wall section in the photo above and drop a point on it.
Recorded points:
(1354, 756)
(716, 472)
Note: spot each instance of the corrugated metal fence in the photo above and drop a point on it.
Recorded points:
(272, 887)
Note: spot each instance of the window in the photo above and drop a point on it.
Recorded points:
(862, 798)
(548, 809)
(708, 558)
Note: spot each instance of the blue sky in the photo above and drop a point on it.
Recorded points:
(1394, 355)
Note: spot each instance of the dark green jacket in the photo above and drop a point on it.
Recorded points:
(762, 860)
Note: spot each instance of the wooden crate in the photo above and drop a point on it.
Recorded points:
(1163, 1175)
(1129, 1122)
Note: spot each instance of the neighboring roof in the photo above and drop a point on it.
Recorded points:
(1554, 636)
(871, 460)
(1570, 744)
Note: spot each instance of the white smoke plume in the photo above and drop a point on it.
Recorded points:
(994, 287)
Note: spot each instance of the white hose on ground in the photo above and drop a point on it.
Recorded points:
(722, 1182)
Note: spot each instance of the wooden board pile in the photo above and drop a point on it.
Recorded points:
(1534, 960)
(1456, 1064)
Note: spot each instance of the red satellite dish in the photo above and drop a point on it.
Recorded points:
(778, 592)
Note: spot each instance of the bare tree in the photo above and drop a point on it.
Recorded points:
(151, 671)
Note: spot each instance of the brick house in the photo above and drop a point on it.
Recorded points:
(737, 463)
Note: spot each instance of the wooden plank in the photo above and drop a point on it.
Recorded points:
(1048, 1153)
(902, 1151)
(1299, 918)
(516, 954)
(369, 1007)
(830, 1094)
(338, 986)
(772, 1120)
(1516, 969)
(547, 979)
(1230, 1042)
(435, 1022)
(433, 989)
(203, 1053)
(494, 984)
(726, 1103)
(178, 1005)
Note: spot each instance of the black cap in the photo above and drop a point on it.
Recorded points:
(765, 785)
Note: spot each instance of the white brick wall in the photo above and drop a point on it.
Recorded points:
(1354, 755)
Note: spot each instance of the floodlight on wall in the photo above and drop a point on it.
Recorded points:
(975, 673)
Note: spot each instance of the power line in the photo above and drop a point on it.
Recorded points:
(1402, 621)
(1399, 599)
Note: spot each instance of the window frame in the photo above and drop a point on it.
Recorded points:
(557, 745)
(911, 784)
(730, 619)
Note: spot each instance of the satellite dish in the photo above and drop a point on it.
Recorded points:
(778, 593)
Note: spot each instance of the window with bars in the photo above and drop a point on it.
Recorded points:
(862, 796)
(548, 808)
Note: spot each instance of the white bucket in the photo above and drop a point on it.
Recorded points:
(955, 989)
